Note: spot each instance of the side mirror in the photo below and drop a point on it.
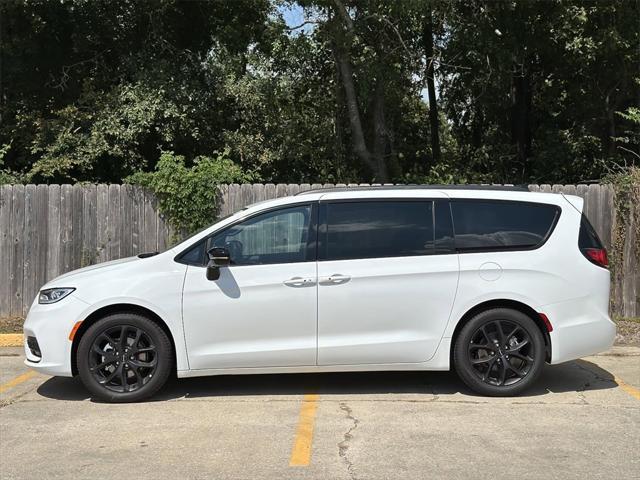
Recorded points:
(218, 257)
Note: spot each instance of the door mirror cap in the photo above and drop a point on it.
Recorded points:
(219, 256)
(213, 272)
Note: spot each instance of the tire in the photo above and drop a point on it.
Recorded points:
(499, 352)
(124, 357)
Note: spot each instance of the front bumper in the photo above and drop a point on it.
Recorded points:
(51, 325)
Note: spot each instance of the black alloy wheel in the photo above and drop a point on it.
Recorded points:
(499, 352)
(124, 357)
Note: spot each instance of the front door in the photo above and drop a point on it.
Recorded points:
(262, 311)
(387, 278)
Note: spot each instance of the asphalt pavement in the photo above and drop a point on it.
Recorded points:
(580, 421)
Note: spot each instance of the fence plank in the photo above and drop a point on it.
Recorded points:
(66, 227)
(137, 219)
(163, 233)
(223, 191)
(269, 191)
(42, 225)
(53, 232)
(16, 274)
(5, 249)
(150, 223)
(125, 217)
(102, 222)
(630, 269)
(29, 244)
(77, 229)
(89, 225)
(114, 224)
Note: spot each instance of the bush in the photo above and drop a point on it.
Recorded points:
(189, 196)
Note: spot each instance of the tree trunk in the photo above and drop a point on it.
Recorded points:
(379, 132)
(376, 165)
(520, 115)
(611, 124)
(357, 134)
(427, 40)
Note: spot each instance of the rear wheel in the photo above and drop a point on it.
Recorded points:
(124, 357)
(499, 352)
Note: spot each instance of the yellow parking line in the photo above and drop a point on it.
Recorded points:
(17, 381)
(11, 340)
(301, 453)
(634, 392)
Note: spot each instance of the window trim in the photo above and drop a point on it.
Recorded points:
(312, 239)
(323, 230)
(464, 250)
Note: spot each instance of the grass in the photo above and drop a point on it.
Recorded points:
(626, 319)
(11, 324)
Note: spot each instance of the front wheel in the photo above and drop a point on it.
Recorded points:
(124, 357)
(499, 352)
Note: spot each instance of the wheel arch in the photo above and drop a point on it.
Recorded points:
(117, 308)
(503, 303)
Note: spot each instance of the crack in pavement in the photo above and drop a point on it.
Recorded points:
(343, 446)
(587, 384)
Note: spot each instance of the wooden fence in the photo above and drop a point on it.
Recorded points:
(47, 230)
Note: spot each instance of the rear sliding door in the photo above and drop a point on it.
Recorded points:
(387, 277)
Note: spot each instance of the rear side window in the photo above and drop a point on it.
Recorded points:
(501, 225)
(376, 229)
(588, 238)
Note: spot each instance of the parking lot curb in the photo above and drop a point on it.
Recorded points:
(11, 340)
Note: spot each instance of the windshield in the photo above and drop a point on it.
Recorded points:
(178, 239)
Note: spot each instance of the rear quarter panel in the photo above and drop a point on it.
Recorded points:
(552, 274)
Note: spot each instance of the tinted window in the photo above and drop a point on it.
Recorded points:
(486, 225)
(588, 237)
(274, 237)
(194, 256)
(444, 241)
(378, 229)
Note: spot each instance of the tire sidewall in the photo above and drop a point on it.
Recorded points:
(158, 337)
(461, 359)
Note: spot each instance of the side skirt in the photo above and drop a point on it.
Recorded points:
(439, 362)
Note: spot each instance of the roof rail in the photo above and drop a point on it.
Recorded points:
(508, 188)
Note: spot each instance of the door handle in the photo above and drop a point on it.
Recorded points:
(335, 279)
(299, 282)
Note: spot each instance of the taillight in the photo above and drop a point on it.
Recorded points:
(590, 245)
(597, 256)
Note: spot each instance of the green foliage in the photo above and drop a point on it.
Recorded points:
(626, 184)
(95, 90)
(7, 176)
(188, 196)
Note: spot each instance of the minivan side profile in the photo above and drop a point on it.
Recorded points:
(491, 282)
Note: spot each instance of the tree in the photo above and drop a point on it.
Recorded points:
(434, 121)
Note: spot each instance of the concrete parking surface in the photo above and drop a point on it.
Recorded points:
(582, 421)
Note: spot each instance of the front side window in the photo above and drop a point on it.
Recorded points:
(280, 236)
(377, 229)
(501, 225)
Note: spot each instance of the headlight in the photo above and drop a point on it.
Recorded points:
(53, 295)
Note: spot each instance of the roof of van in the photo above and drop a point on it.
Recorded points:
(486, 192)
(508, 188)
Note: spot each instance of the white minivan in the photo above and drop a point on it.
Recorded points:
(492, 281)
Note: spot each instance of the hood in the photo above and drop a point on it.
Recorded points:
(67, 279)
